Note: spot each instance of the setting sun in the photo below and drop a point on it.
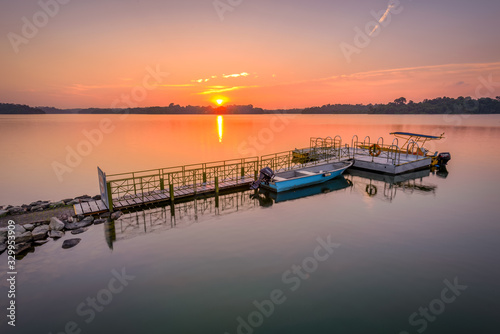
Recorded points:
(219, 101)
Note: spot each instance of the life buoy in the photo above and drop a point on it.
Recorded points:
(371, 190)
(375, 150)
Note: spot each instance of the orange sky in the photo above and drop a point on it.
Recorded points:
(278, 54)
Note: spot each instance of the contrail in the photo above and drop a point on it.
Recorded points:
(382, 19)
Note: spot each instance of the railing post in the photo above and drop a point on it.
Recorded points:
(110, 196)
(133, 180)
(162, 181)
(194, 181)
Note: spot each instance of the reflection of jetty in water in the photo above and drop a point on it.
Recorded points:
(386, 186)
(203, 208)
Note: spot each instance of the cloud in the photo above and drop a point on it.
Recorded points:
(221, 89)
(225, 76)
(384, 16)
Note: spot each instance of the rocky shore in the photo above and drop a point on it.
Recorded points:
(39, 221)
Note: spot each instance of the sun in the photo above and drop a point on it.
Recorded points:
(219, 101)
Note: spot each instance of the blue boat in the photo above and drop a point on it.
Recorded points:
(303, 177)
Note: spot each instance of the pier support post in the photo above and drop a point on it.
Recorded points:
(172, 195)
(216, 186)
(110, 197)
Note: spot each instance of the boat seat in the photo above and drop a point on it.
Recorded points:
(277, 178)
(306, 172)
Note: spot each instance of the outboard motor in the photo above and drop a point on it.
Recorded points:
(266, 176)
(443, 158)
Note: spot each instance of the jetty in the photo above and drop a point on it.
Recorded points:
(144, 189)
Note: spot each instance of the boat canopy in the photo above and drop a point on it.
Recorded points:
(415, 135)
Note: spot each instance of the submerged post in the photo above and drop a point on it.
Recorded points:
(216, 186)
(110, 196)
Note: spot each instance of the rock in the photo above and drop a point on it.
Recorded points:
(19, 229)
(88, 219)
(4, 231)
(3, 213)
(40, 232)
(96, 197)
(71, 243)
(116, 215)
(99, 221)
(56, 234)
(82, 197)
(3, 247)
(16, 210)
(80, 217)
(79, 230)
(56, 224)
(36, 208)
(29, 227)
(9, 207)
(86, 200)
(35, 203)
(22, 247)
(56, 205)
(45, 206)
(3, 239)
(24, 237)
(70, 219)
(73, 202)
(106, 215)
(66, 200)
(77, 225)
(40, 242)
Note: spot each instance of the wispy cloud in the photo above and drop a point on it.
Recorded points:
(225, 76)
(221, 89)
(383, 18)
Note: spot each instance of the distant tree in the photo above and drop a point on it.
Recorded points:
(498, 98)
(400, 101)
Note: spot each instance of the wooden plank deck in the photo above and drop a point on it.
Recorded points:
(96, 207)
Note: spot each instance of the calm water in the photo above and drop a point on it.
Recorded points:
(205, 270)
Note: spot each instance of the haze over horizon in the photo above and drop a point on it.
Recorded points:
(278, 54)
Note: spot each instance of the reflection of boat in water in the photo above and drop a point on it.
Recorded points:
(326, 187)
(302, 177)
(386, 186)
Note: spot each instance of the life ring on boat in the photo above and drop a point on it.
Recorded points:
(371, 190)
(375, 150)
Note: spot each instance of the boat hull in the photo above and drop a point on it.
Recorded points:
(304, 177)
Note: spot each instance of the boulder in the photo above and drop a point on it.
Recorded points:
(88, 219)
(96, 197)
(71, 243)
(19, 229)
(56, 224)
(40, 232)
(3, 213)
(66, 200)
(22, 247)
(116, 215)
(56, 205)
(36, 208)
(80, 217)
(56, 234)
(40, 242)
(16, 210)
(29, 227)
(70, 219)
(77, 225)
(79, 230)
(82, 197)
(3, 239)
(46, 206)
(4, 231)
(99, 221)
(3, 247)
(73, 202)
(24, 237)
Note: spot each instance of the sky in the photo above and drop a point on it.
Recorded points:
(271, 54)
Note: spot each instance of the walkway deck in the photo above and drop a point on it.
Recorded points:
(134, 201)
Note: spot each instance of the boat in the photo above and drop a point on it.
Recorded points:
(301, 177)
